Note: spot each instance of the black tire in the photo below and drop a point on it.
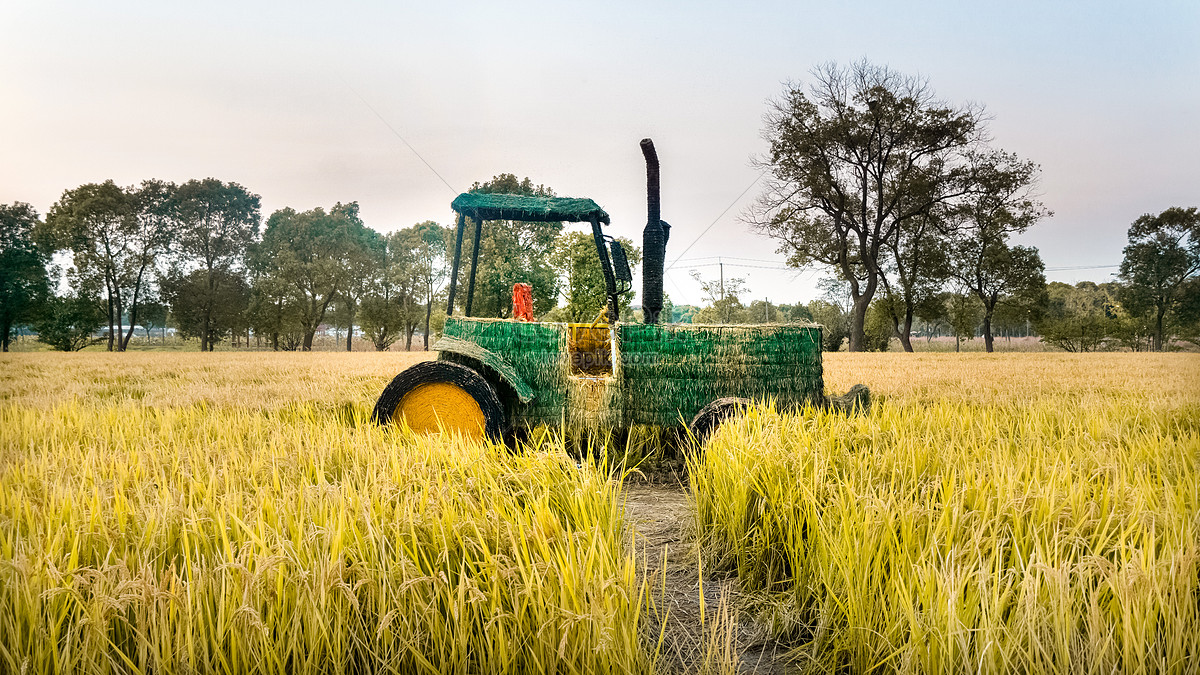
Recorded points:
(712, 415)
(429, 372)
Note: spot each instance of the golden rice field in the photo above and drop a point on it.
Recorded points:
(235, 513)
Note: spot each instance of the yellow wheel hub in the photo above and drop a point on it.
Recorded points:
(432, 407)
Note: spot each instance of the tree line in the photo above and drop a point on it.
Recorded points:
(192, 256)
(197, 255)
(197, 252)
(903, 196)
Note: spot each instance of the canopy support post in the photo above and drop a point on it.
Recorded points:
(610, 280)
(454, 270)
(474, 264)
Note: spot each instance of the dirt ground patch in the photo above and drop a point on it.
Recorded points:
(699, 623)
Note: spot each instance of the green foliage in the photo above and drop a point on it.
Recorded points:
(406, 286)
(95, 222)
(273, 314)
(115, 236)
(510, 251)
(983, 261)
(24, 284)
(207, 305)
(431, 247)
(575, 256)
(862, 156)
(836, 321)
(362, 264)
(154, 315)
(761, 311)
(1161, 265)
(795, 313)
(920, 258)
(1187, 322)
(963, 312)
(218, 223)
(67, 323)
(724, 305)
(1081, 318)
(878, 329)
(682, 313)
(303, 255)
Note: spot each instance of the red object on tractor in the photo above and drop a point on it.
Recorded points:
(523, 302)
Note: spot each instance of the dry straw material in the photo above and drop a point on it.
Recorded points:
(661, 375)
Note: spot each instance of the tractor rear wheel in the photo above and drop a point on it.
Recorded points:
(712, 415)
(437, 396)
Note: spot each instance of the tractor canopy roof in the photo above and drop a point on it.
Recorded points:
(485, 206)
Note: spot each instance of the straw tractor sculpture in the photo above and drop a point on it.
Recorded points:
(496, 375)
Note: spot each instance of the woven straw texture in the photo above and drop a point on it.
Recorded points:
(671, 372)
(663, 375)
(488, 206)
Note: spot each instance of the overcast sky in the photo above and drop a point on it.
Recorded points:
(278, 96)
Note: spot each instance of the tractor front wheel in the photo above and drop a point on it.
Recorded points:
(712, 415)
(435, 396)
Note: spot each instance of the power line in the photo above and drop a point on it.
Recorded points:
(757, 267)
(777, 266)
(729, 257)
(714, 222)
(682, 295)
(404, 140)
(1081, 267)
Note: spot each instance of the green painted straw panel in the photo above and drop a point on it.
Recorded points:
(666, 373)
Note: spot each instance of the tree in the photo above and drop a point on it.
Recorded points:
(381, 321)
(24, 285)
(272, 312)
(1013, 319)
(67, 323)
(879, 327)
(1079, 318)
(683, 313)
(795, 313)
(835, 322)
(583, 277)
(963, 313)
(864, 155)
(96, 223)
(304, 253)
(363, 263)
(1188, 323)
(154, 316)
(200, 314)
(762, 311)
(388, 309)
(511, 251)
(427, 245)
(1161, 261)
(998, 274)
(153, 229)
(724, 305)
(116, 237)
(985, 264)
(218, 222)
(920, 261)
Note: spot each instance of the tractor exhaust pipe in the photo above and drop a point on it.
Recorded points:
(654, 240)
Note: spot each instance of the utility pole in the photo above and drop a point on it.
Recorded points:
(767, 311)
(722, 266)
